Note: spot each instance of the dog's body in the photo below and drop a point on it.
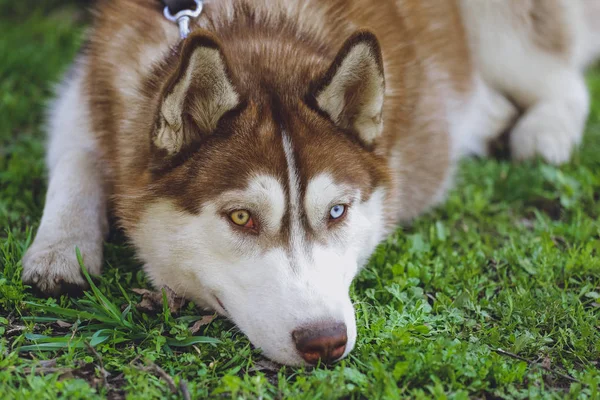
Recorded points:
(256, 165)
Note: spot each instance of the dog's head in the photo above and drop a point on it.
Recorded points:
(265, 205)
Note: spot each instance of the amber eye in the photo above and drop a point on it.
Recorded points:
(242, 218)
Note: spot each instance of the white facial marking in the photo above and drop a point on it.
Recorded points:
(266, 291)
(364, 223)
(322, 194)
(264, 198)
(296, 234)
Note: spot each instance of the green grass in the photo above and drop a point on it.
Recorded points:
(495, 294)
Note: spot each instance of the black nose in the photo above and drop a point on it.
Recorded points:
(324, 341)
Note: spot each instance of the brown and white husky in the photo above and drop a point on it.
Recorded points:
(256, 164)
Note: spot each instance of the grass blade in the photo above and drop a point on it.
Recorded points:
(192, 340)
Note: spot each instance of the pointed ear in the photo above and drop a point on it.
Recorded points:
(196, 96)
(352, 91)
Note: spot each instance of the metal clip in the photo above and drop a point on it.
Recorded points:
(184, 17)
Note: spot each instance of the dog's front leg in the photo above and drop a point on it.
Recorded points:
(75, 210)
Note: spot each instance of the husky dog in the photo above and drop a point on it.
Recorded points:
(256, 165)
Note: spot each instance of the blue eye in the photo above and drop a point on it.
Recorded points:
(337, 211)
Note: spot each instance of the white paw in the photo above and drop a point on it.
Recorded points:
(542, 133)
(52, 267)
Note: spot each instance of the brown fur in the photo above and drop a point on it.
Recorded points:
(549, 28)
(546, 23)
(324, 121)
(275, 50)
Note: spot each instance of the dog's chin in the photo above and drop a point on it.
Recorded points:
(291, 359)
(278, 349)
(213, 304)
(210, 304)
(288, 358)
(295, 360)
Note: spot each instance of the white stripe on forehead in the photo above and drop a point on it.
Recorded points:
(322, 193)
(294, 187)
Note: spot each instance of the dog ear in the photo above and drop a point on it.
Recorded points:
(352, 91)
(196, 96)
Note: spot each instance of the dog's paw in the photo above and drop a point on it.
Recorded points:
(52, 268)
(543, 134)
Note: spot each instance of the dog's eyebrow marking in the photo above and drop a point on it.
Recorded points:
(296, 237)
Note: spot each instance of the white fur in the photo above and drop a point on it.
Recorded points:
(322, 194)
(483, 117)
(588, 50)
(75, 209)
(549, 87)
(268, 291)
(294, 192)
(270, 288)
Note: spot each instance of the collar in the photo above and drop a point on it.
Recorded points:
(182, 12)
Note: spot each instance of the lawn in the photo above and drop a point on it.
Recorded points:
(495, 294)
